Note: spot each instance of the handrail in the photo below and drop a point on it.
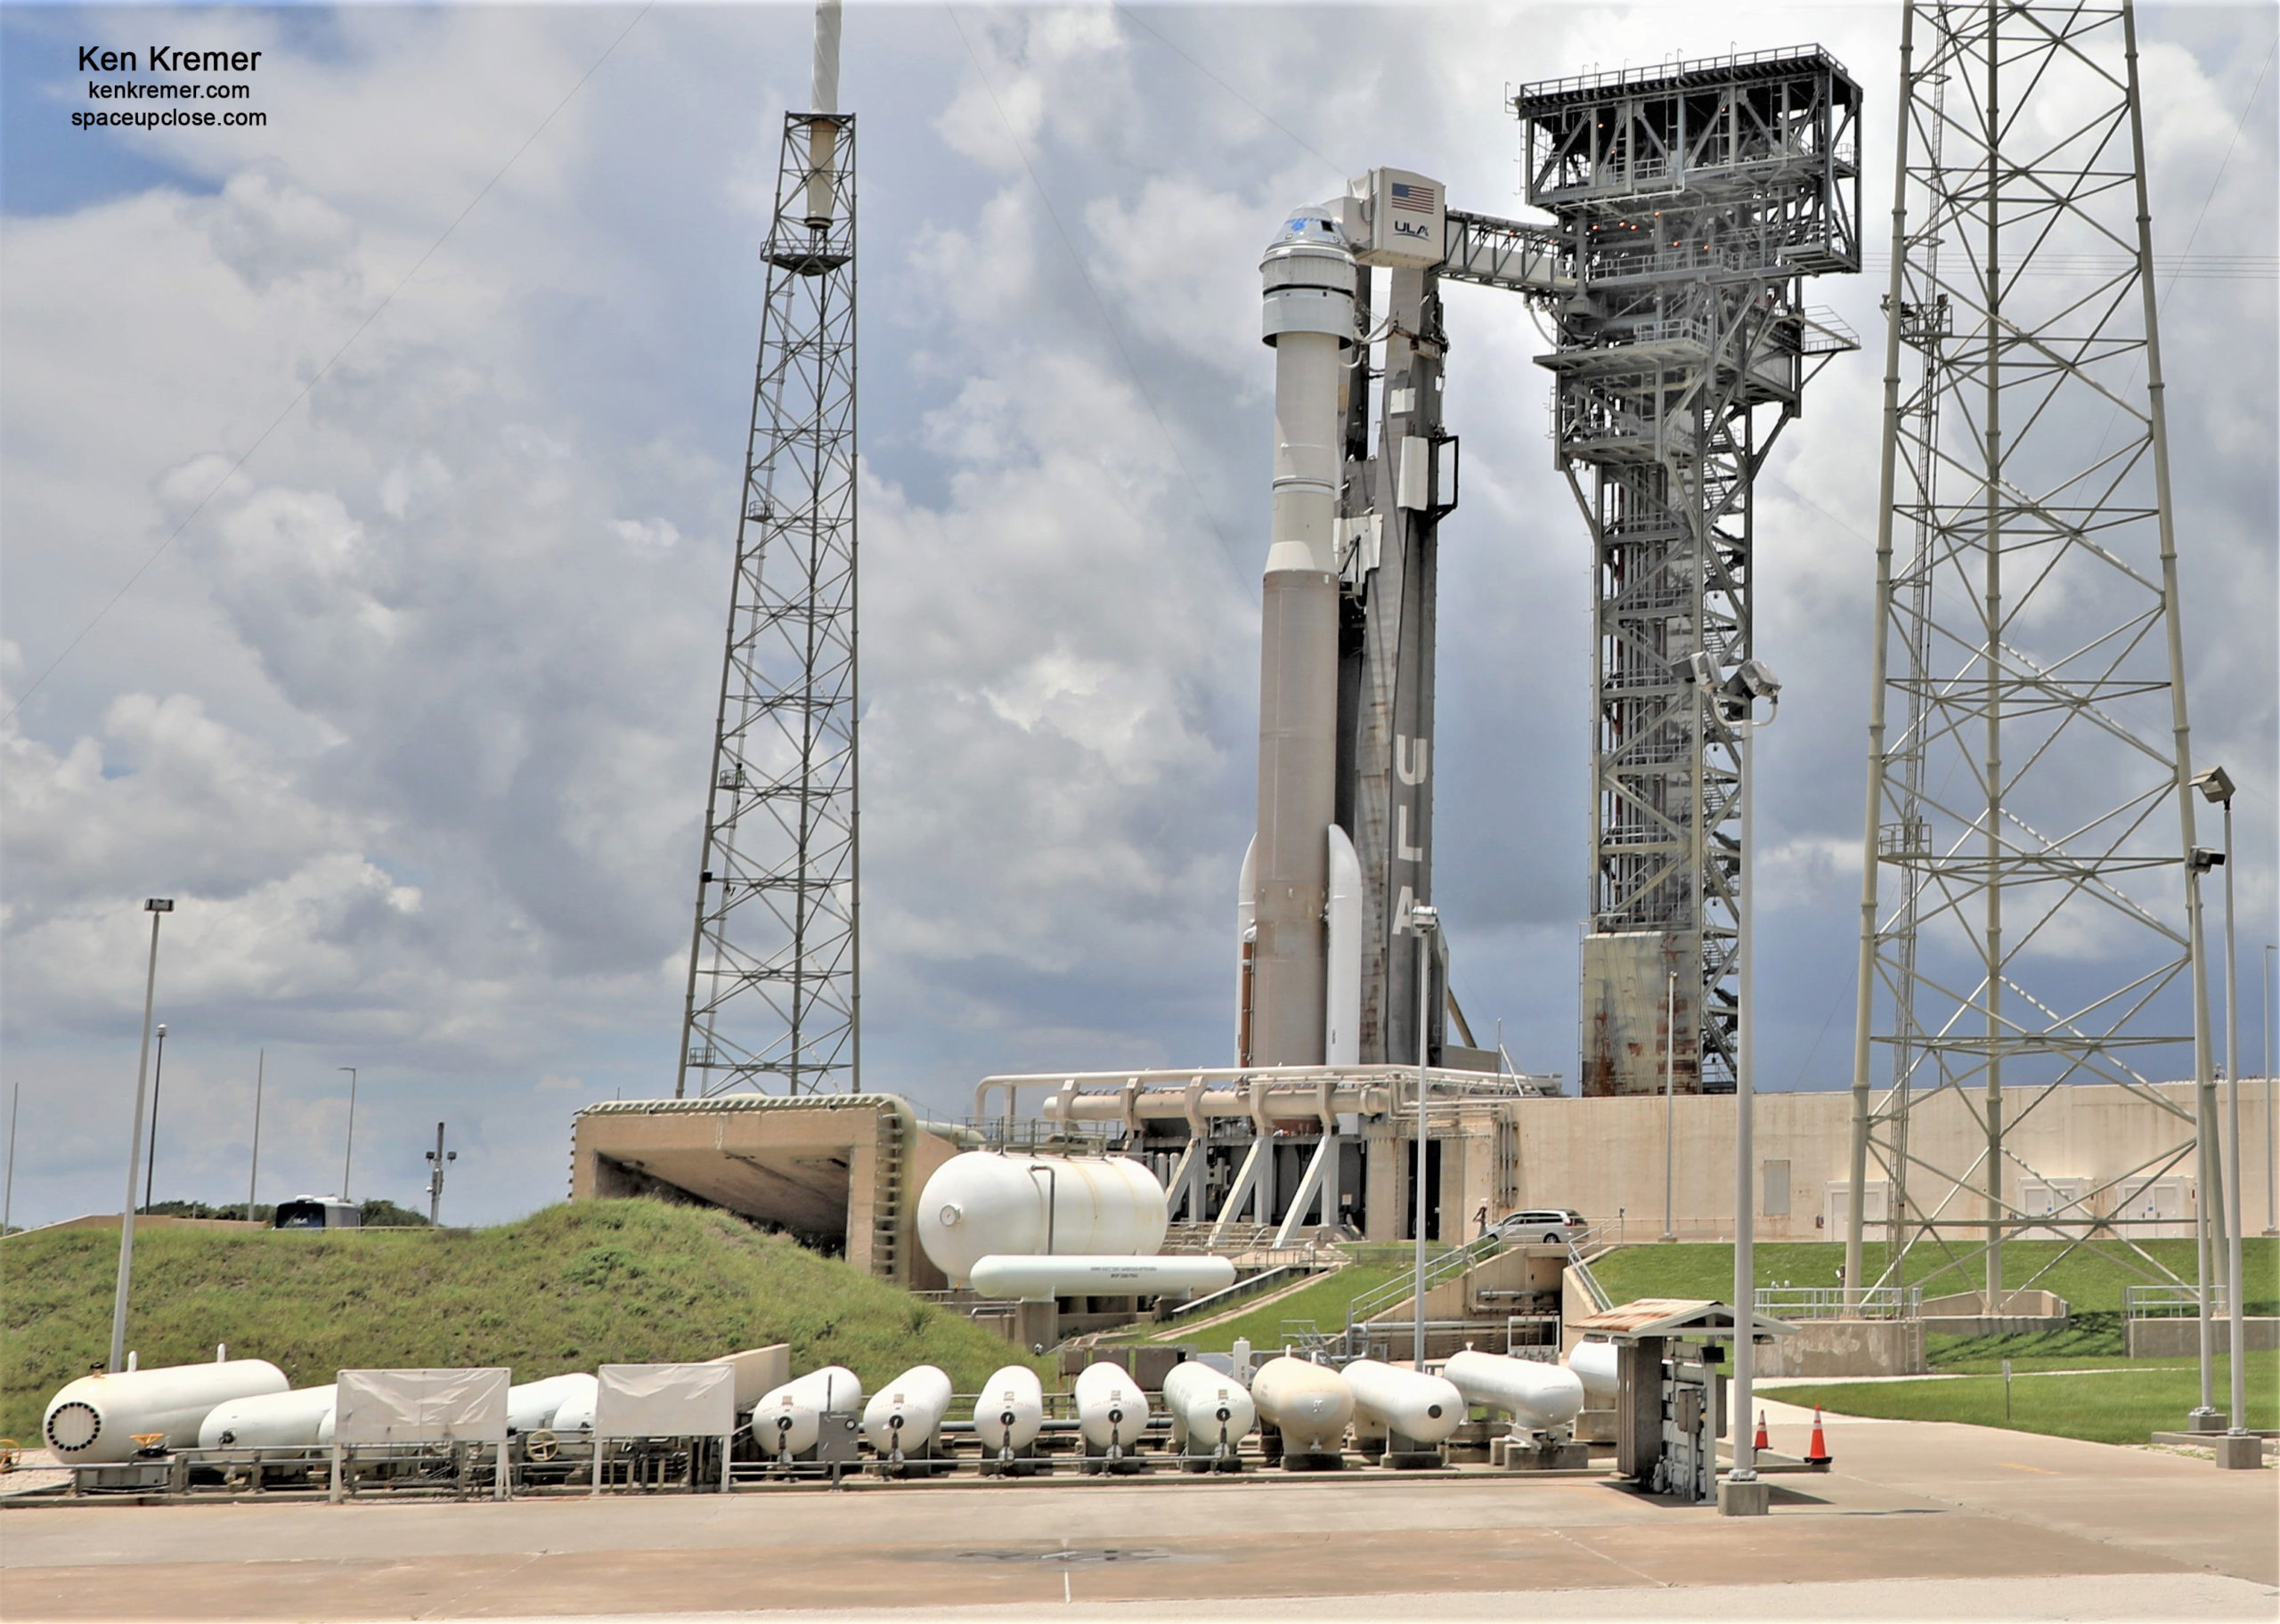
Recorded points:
(1837, 1302)
(1455, 1261)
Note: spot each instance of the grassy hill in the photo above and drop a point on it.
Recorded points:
(567, 1288)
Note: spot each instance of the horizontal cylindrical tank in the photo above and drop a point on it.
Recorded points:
(1414, 1403)
(1309, 1404)
(1112, 1408)
(1594, 1363)
(990, 1204)
(575, 1413)
(1034, 1278)
(96, 1419)
(1208, 1410)
(906, 1413)
(532, 1405)
(1536, 1395)
(785, 1420)
(1010, 1410)
(299, 1419)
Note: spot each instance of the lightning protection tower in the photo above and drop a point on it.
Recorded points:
(773, 989)
(1692, 204)
(2028, 910)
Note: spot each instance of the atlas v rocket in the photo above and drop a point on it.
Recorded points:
(1327, 970)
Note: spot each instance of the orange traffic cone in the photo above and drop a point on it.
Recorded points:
(1763, 1443)
(1818, 1456)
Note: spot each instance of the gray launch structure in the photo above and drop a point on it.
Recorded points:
(1692, 204)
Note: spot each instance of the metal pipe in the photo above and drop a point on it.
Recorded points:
(158, 1080)
(349, 1152)
(2271, 1121)
(157, 906)
(1745, 1084)
(8, 1198)
(1670, 1098)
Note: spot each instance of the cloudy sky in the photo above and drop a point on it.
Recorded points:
(368, 482)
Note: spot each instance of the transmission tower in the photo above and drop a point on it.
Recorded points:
(2029, 914)
(1692, 204)
(773, 987)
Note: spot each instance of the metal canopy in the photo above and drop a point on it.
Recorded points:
(1695, 1319)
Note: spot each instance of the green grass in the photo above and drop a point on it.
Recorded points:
(2091, 1284)
(567, 1288)
(2103, 1407)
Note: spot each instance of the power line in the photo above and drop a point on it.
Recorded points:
(319, 376)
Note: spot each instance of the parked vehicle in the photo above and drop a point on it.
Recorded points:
(318, 1213)
(1551, 1226)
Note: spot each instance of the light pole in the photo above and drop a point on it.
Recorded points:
(2199, 861)
(252, 1174)
(158, 1080)
(1424, 920)
(437, 1159)
(155, 907)
(2271, 1123)
(8, 1199)
(2216, 785)
(1751, 681)
(1669, 1096)
(347, 1155)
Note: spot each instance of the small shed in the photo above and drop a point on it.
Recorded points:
(1669, 1386)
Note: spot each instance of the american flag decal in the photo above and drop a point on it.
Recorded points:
(1417, 198)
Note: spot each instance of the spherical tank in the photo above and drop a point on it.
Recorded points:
(94, 1420)
(1207, 1409)
(1536, 1395)
(1309, 1404)
(906, 1412)
(1594, 1362)
(274, 1421)
(1112, 1408)
(986, 1203)
(1413, 1403)
(1010, 1410)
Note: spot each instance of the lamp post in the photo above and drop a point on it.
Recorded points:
(253, 1172)
(2271, 1123)
(8, 1200)
(1669, 1096)
(2216, 785)
(347, 1155)
(158, 1079)
(2199, 861)
(1738, 696)
(439, 1157)
(1424, 920)
(155, 907)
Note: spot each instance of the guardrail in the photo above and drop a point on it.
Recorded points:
(2170, 1301)
(1456, 1261)
(1835, 1302)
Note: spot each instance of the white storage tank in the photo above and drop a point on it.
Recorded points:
(1009, 1411)
(786, 1421)
(1035, 1280)
(1539, 1397)
(986, 1203)
(1593, 1364)
(533, 1405)
(906, 1413)
(1414, 1403)
(299, 1419)
(93, 1421)
(1112, 1408)
(1309, 1404)
(1211, 1412)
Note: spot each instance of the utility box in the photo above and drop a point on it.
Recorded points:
(1671, 1376)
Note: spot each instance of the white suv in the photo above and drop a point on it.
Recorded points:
(1551, 1226)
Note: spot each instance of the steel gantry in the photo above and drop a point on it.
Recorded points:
(2029, 912)
(773, 985)
(1692, 205)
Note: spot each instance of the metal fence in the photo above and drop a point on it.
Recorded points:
(1834, 1302)
(2170, 1301)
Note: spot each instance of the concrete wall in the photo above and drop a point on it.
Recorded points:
(1606, 1155)
(2181, 1338)
(1847, 1347)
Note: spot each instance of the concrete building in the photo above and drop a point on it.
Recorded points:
(1274, 1156)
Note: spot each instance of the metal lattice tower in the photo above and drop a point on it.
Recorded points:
(2025, 898)
(773, 985)
(1692, 205)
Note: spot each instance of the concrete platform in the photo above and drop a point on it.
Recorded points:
(1915, 1520)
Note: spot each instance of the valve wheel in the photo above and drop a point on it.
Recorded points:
(540, 1445)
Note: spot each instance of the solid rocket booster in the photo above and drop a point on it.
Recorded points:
(1307, 279)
